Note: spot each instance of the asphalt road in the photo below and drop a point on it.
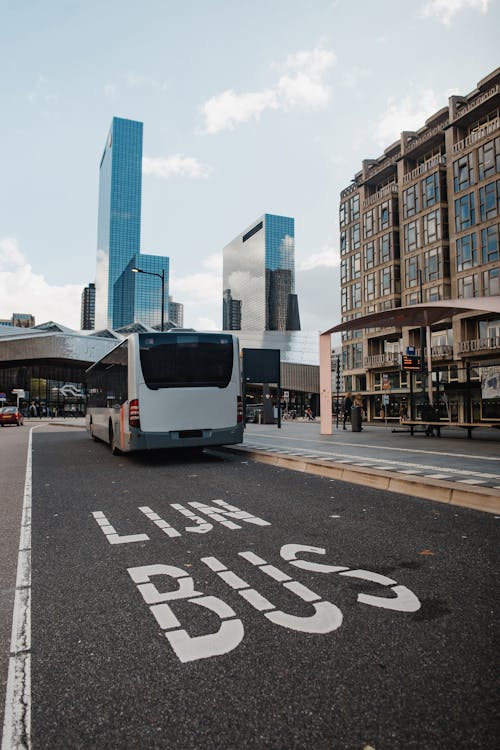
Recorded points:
(390, 645)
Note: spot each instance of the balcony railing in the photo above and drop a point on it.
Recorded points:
(479, 345)
(490, 127)
(379, 360)
(443, 351)
(387, 190)
(431, 164)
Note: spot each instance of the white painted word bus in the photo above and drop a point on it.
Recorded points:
(167, 390)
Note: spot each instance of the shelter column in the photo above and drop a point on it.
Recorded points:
(325, 383)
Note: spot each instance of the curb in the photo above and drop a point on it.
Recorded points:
(485, 499)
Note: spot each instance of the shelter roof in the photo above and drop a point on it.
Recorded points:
(420, 315)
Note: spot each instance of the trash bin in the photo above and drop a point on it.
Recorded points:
(356, 418)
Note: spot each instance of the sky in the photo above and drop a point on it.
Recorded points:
(267, 106)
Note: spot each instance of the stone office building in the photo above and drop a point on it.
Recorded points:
(420, 224)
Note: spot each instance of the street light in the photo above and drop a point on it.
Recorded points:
(162, 277)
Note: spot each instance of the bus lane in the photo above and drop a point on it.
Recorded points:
(187, 601)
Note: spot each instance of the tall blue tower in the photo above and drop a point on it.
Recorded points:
(121, 298)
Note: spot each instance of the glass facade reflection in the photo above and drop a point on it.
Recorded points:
(121, 298)
(147, 304)
(259, 277)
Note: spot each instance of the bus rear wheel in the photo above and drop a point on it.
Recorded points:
(112, 443)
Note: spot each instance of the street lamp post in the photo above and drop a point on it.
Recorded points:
(162, 277)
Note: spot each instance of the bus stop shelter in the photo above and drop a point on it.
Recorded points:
(421, 315)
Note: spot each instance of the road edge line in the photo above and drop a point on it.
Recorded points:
(17, 714)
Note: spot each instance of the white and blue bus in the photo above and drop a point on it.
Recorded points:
(167, 390)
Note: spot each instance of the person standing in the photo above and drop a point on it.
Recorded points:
(347, 407)
(358, 401)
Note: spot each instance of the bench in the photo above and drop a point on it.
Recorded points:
(469, 426)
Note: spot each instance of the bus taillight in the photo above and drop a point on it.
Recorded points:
(133, 413)
(239, 410)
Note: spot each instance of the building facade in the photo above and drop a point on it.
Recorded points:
(87, 318)
(123, 297)
(259, 277)
(19, 320)
(421, 223)
(176, 313)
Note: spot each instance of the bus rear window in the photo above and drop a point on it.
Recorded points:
(186, 360)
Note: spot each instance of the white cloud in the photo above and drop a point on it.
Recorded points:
(445, 10)
(301, 84)
(175, 166)
(327, 258)
(201, 294)
(22, 290)
(228, 109)
(408, 114)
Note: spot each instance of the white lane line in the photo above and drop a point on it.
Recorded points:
(17, 716)
(471, 481)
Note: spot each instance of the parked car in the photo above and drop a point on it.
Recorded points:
(10, 415)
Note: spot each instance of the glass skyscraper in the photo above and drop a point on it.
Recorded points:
(259, 277)
(123, 297)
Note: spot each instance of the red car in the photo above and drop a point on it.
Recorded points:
(10, 415)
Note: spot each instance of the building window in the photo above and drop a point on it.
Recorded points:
(370, 291)
(468, 286)
(433, 294)
(344, 214)
(355, 295)
(343, 243)
(432, 227)
(489, 200)
(368, 223)
(491, 282)
(412, 236)
(344, 271)
(369, 253)
(489, 244)
(357, 356)
(466, 252)
(355, 238)
(411, 272)
(465, 212)
(430, 190)
(413, 298)
(354, 206)
(346, 358)
(356, 266)
(385, 248)
(463, 173)
(410, 201)
(344, 298)
(489, 158)
(433, 264)
(383, 215)
(385, 281)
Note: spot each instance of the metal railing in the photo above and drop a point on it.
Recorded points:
(431, 164)
(378, 360)
(477, 135)
(478, 345)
